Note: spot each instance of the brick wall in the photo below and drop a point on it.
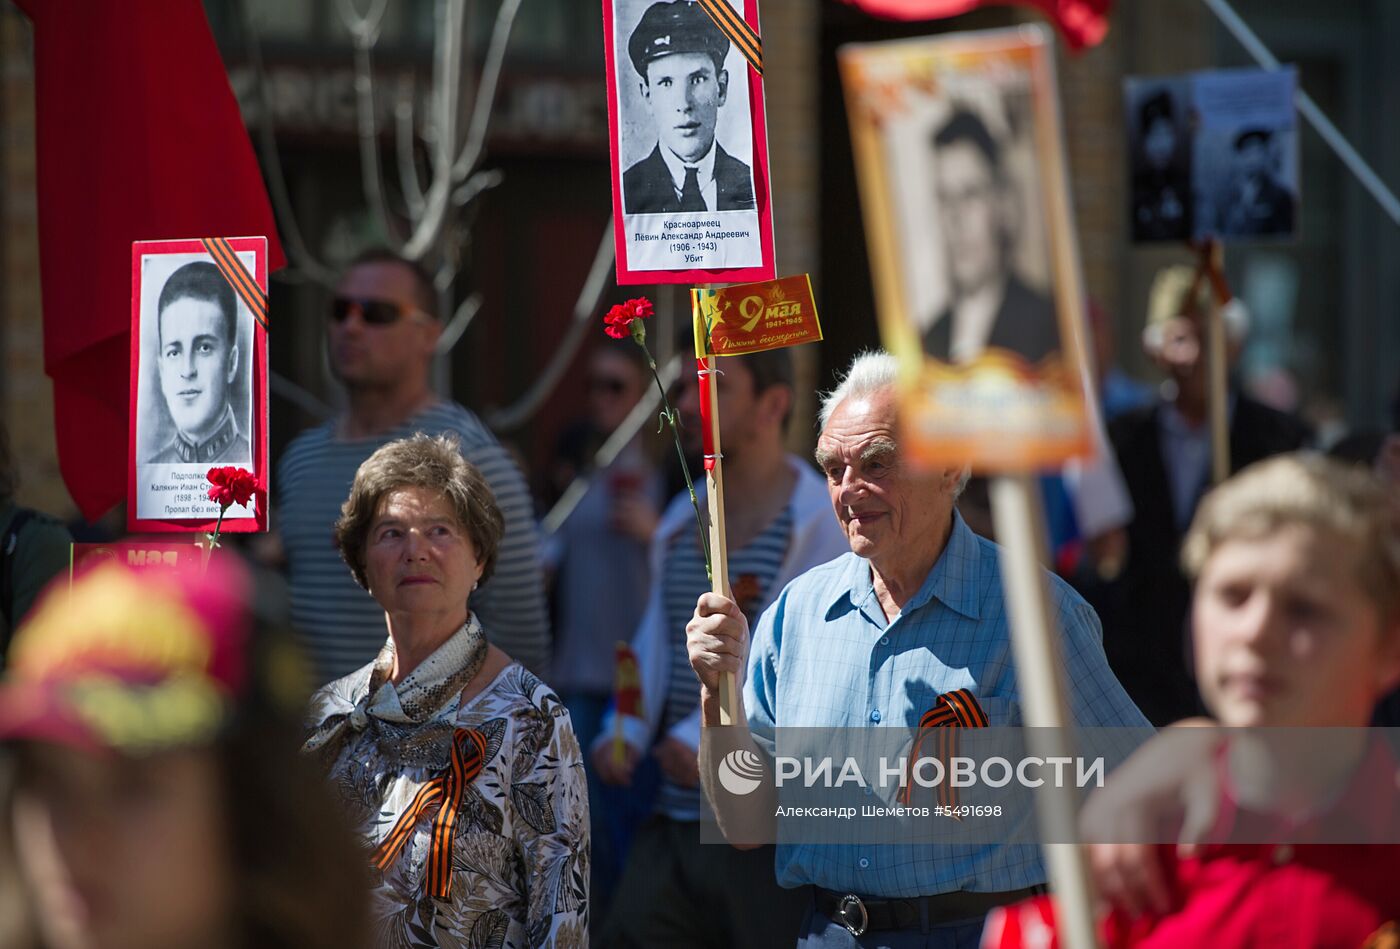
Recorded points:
(790, 90)
(26, 395)
(1091, 109)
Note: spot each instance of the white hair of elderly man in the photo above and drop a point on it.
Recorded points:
(870, 372)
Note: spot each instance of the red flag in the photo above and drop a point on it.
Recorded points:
(627, 684)
(1023, 925)
(139, 138)
(1082, 22)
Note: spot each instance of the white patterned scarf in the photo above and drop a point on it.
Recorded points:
(411, 723)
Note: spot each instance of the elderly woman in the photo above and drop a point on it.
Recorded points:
(461, 767)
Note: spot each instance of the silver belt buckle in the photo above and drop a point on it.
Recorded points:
(844, 907)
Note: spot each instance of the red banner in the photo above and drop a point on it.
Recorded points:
(137, 554)
(131, 145)
(627, 684)
(1082, 23)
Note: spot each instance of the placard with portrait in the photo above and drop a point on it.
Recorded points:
(961, 168)
(688, 145)
(1213, 154)
(198, 380)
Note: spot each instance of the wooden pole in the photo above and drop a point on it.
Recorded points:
(719, 558)
(1217, 391)
(1020, 527)
(714, 490)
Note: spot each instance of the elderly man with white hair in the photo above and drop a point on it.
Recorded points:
(911, 619)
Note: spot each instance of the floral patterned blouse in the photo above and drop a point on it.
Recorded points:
(476, 815)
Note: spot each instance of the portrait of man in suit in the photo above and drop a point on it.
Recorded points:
(198, 362)
(679, 53)
(989, 303)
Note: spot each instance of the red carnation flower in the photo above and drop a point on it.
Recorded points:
(620, 318)
(625, 320)
(231, 486)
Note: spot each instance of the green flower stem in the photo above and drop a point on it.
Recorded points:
(214, 537)
(218, 525)
(669, 414)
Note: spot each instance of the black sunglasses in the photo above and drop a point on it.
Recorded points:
(373, 312)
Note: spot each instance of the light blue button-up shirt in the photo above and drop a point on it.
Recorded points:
(825, 656)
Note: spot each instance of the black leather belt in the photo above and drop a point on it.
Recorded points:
(861, 915)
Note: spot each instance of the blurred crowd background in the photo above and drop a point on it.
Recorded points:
(1324, 308)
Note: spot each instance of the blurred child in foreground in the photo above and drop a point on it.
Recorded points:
(1296, 619)
(150, 787)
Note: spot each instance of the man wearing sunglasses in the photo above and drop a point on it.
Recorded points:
(381, 332)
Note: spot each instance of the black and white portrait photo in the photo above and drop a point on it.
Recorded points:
(198, 368)
(679, 55)
(1246, 153)
(1256, 201)
(970, 221)
(194, 395)
(1158, 118)
(685, 139)
(979, 203)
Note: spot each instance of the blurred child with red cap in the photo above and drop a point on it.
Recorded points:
(150, 778)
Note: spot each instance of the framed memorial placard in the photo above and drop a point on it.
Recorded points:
(198, 380)
(688, 142)
(962, 180)
(1213, 154)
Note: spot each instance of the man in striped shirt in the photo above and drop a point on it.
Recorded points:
(674, 892)
(382, 332)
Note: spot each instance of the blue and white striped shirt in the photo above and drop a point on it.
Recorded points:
(343, 627)
(752, 570)
(824, 655)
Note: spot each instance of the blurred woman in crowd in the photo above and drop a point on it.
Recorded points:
(605, 535)
(460, 767)
(153, 793)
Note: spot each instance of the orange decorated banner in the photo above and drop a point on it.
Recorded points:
(139, 554)
(753, 317)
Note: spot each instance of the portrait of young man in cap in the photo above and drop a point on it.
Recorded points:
(678, 53)
(1257, 204)
(198, 362)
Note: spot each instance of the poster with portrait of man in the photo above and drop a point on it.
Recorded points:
(1159, 118)
(689, 147)
(198, 380)
(1246, 153)
(1213, 154)
(961, 169)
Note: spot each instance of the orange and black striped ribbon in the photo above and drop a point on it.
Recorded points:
(238, 277)
(444, 792)
(951, 711)
(732, 25)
